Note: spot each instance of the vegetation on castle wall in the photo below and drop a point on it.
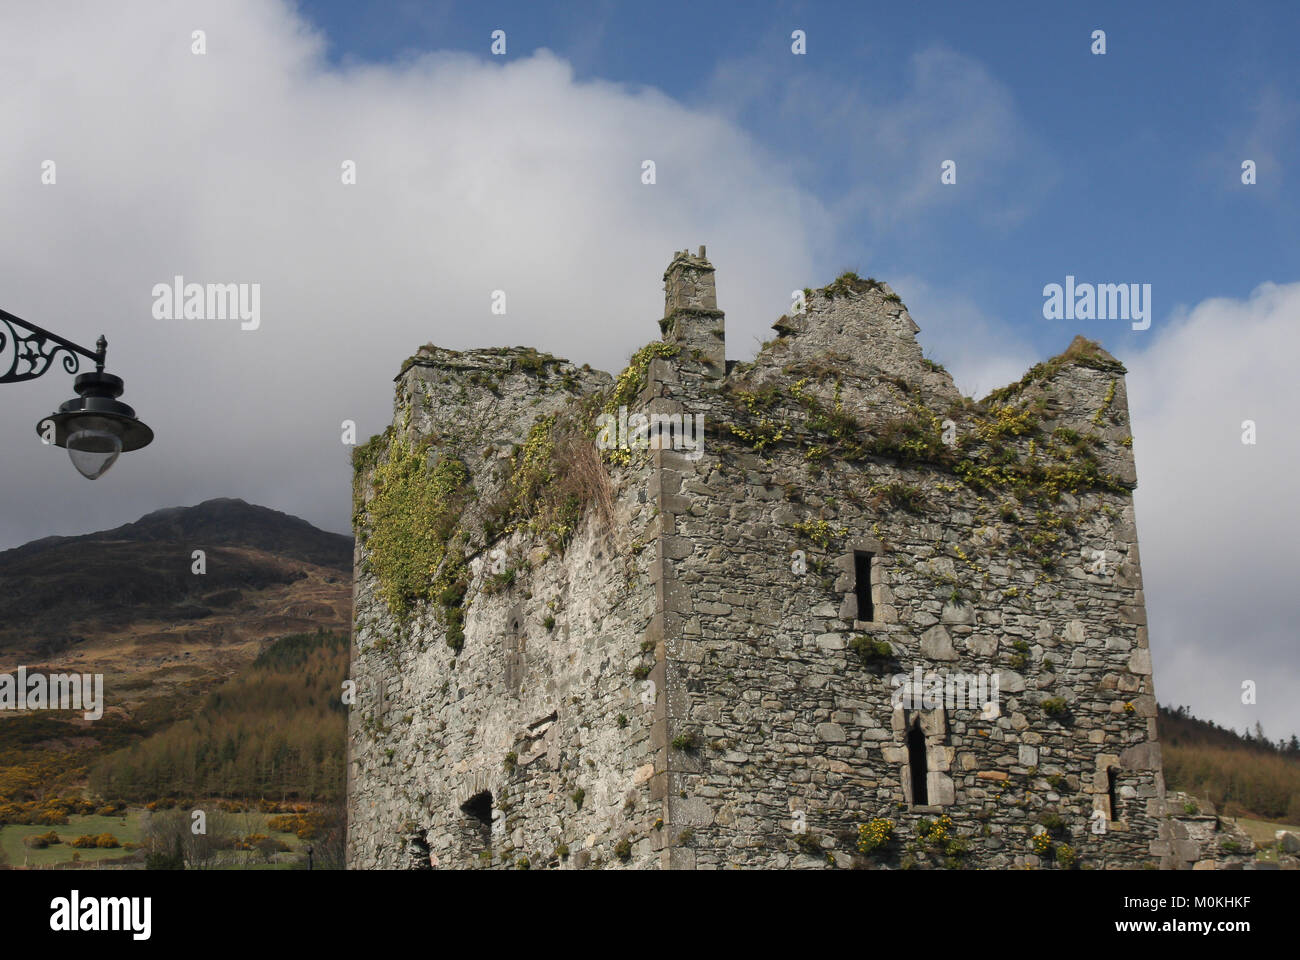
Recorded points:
(529, 360)
(819, 531)
(847, 282)
(555, 475)
(1081, 353)
(550, 509)
(999, 445)
(364, 459)
(870, 650)
(874, 834)
(630, 382)
(904, 496)
(938, 838)
(627, 388)
(1106, 402)
(410, 514)
(410, 527)
(759, 430)
(526, 359)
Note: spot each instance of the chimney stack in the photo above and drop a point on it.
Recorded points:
(692, 320)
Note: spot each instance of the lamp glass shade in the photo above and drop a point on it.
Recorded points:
(94, 447)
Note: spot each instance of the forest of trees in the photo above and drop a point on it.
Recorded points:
(279, 730)
(1241, 774)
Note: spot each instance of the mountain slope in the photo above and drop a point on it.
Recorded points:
(56, 589)
(1240, 775)
(127, 603)
(220, 521)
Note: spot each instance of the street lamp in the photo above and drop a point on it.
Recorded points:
(95, 427)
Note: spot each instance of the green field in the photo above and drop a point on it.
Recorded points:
(128, 827)
(1264, 833)
(16, 853)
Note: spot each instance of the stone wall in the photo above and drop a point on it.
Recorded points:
(798, 743)
(1193, 837)
(512, 747)
(695, 668)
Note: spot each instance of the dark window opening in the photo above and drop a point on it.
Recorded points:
(478, 810)
(549, 719)
(417, 852)
(916, 762)
(862, 585)
(1110, 793)
(512, 646)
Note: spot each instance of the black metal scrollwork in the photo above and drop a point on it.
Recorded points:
(28, 357)
(27, 351)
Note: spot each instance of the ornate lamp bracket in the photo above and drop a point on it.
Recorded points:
(28, 351)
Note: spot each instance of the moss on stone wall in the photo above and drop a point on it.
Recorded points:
(554, 476)
(627, 388)
(410, 526)
(548, 508)
(998, 445)
(849, 282)
(1081, 352)
(364, 459)
(630, 382)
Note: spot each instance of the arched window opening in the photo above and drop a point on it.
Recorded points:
(478, 813)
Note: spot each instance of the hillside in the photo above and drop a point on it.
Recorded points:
(125, 603)
(55, 589)
(1241, 775)
(277, 730)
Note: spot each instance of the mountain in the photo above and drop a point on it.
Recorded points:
(224, 521)
(128, 603)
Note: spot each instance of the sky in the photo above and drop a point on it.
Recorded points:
(522, 172)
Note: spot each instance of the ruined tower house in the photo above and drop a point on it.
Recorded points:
(572, 657)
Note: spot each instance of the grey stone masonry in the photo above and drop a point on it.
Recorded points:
(692, 320)
(875, 624)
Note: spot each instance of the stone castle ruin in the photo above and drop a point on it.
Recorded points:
(859, 620)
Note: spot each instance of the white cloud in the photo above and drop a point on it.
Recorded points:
(474, 175)
(1217, 519)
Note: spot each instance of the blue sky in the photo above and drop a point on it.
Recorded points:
(1122, 167)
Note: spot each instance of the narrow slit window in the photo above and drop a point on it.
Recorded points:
(917, 765)
(862, 585)
(1110, 793)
